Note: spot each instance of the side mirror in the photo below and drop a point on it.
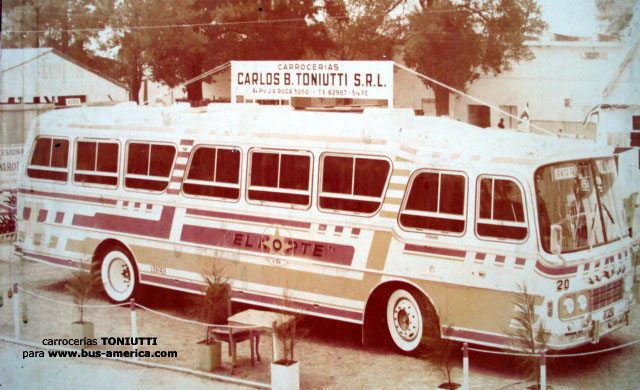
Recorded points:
(556, 239)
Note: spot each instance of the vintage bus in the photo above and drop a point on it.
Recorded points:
(379, 218)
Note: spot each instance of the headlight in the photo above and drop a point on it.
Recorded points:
(569, 305)
(582, 302)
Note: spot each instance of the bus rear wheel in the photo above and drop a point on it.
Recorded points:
(119, 275)
(406, 319)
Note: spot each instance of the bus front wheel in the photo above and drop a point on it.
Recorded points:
(119, 275)
(405, 320)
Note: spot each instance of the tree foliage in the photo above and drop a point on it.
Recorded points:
(82, 285)
(456, 42)
(615, 15)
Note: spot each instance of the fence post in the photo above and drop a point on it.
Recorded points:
(543, 371)
(134, 328)
(16, 312)
(465, 366)
(274, 343)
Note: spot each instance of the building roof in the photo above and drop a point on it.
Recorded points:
(13, 58)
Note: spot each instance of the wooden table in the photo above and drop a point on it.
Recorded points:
(264, 321)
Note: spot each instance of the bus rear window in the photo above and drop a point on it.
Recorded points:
(149, 166)
(214, 172)
(436, 202)
(280, 177)
(49, 159)
(500, 209)
(96, 162)
(353, 184)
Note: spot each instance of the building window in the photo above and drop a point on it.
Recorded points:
(149, 166)
(353, 183)
(436, 202)
(96, 163)
(214, 172)
(49, 159)
(280, 177)
(500, 209)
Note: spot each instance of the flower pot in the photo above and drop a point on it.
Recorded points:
(285, 376)
(81, 330)
(208, 355)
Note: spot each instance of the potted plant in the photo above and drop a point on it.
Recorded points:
(214, 307)
(531, 338)
(82, 285)
(285, 373)
(439, 351)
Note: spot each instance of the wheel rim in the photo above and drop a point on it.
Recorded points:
(118, 276)
(404, 320)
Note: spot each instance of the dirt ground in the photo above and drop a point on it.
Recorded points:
(331, 355)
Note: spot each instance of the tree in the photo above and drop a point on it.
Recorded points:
(615, 15)
(362, 29)
(68, 26)
(456, 42)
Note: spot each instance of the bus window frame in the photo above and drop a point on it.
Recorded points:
(126, 166)
(188, 167)
(436, 214)
(352, 155)
(477, 219)
(96, 185)
(289, 206)
(49, 168)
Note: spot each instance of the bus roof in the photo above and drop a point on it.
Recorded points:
(393, 130)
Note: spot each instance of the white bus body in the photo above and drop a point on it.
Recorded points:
(373, 218)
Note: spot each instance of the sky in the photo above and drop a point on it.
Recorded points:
(570, 17)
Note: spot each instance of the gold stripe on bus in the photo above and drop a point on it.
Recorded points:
(433, 256)
(124, 128)
(476, 157)
(455, 156)
(388, 214)
(397, 186)
(357, 140)
(279, 277)
(37, 239)
(21, 236)
(379, 250)
(408, 149)
(510, 160)
(84, 247)
(392, 200)
(53, 242)
(401, 172)
(402, 159)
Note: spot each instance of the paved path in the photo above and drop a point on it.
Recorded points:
(96, 374)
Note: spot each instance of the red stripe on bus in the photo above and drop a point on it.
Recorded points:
(477, 336)
(59, 217)
(556, 270)
(42, 215)
(500, 259)
(520, 261)
(183, 284)
(171, 191)
(70, 196)
(435, 251)
(180, 167)
(183, 154)
(26, 213)
(59, 261)
(338, 229)
(187, 142)
(136, 205)
(176, 179)
(282, 246)
(149, 206)
(480, 256)
(249, 218)
(131, 225)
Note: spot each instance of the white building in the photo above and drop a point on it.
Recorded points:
(44, 75)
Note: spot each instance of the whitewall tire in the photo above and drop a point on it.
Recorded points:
(119, 276)
(405, 320)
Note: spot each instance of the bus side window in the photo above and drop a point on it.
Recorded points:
(49, 159)
(149, 166)
(96, 162)
(213, 172)
(280, 177)
(353, 183)
(500, 209)
(436, 202)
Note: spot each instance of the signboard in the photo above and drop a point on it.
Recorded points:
(10, 159)
(323, 79)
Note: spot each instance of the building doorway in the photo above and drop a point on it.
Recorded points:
(479, 115)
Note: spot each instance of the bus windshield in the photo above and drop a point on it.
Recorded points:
(579, 196)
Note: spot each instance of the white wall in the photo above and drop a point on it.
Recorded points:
(52, 75)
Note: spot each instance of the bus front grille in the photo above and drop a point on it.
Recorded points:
(606, 295)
